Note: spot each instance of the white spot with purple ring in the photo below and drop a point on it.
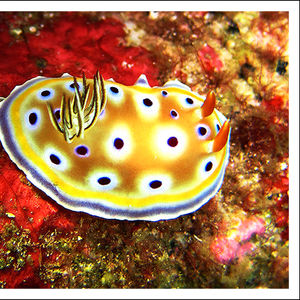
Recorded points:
(169, 141)
(55, 159)
(45, 94)
(154, 183)
(203, 131)
(174, 114)
(217, 127)
(188, 101)
(207, 167)
(115, 93)
(32, 119)
(82, 151)
(119, 144)
(103, 180)
(164, 93)
(70, 86)
(147, 106)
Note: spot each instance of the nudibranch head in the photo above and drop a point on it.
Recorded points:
(115, 151)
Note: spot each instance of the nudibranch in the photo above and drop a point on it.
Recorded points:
(115, 151)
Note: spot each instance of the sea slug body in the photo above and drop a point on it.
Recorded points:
(114, 151)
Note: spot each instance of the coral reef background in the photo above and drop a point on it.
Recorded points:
(240, 238)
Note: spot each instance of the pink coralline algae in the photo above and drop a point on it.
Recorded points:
(209, 60)
(73, 44)
(24, 205)
(235, 244)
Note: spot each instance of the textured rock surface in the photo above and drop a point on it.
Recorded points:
(240, 238)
